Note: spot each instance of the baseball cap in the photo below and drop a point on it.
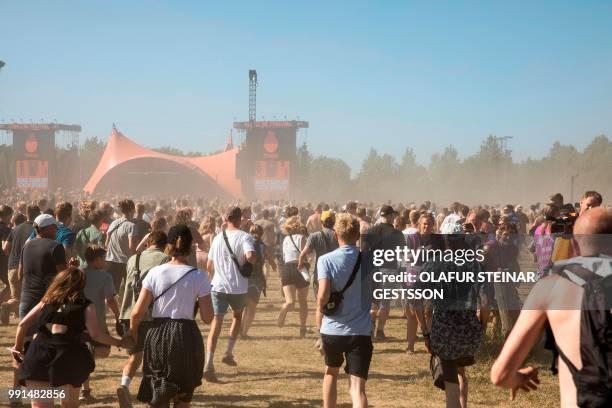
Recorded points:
(326, 214)
(45, 220)
(387, 210)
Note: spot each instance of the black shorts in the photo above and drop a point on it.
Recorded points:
(291, 276)
(356, 349)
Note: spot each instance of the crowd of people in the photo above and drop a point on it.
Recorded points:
(67, 264)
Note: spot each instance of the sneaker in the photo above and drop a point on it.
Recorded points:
(229, 360)
(5, 314)
(380, 335)
(85, 396)
(209, 375)
(123, 395)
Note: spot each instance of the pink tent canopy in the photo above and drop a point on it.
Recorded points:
(221, 167)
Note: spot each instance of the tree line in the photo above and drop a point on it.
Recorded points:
(488, 176)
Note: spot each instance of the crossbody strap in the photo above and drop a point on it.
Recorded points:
(579, 275)
(229, 248)
(173, 284)
(353, 274)
(326, 241)
(293, 242)
(137, 265)
(116, 228)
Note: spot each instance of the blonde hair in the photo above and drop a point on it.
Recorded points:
(293, 225)
(347, 227)
(208, 225)
(183, 216)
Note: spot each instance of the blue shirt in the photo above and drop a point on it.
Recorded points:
(353, 316)
(64, 235)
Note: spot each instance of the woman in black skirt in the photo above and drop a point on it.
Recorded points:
(58, 356)
(173, 350)
(456, 332)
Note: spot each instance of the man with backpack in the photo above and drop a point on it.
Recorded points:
(576, 300)
(137, 268)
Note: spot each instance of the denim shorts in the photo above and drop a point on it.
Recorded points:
(221, 301)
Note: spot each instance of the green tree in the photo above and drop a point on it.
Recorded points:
(412, 175)
(377, 178)
(302, 171)
(177, 152)
(91, 153)
(329, 179)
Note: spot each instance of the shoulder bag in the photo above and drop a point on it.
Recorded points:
(335, 297)
(247, 268)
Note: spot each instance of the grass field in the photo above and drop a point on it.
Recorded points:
(278, 369)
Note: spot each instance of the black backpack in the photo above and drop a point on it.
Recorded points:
(594, 380)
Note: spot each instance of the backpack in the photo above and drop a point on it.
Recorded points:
(594, 380)
(137, 284)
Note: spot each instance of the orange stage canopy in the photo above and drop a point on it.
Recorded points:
(220, 167)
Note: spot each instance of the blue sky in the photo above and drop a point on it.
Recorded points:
(380, 74)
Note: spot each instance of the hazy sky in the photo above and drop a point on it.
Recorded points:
(381, 73)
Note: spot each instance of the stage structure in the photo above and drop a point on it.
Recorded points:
(261, 167)
(33, 163)
(267, 159)
(128, 168)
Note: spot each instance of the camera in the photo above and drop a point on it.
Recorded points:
(564, 223)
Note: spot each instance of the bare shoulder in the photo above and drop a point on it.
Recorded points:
(554, 292)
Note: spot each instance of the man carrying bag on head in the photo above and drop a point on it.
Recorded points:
(343, 312)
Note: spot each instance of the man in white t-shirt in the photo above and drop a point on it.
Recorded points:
(229, 286)
(449, 224)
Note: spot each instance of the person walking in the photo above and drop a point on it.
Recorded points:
(257, 280)
(293, 280)
(455, 332)
(121, 242)
(230, 252)
(138, 266)
(58, 356)
(345, 333)
(176, 291)
(6, 213)
(384, 236)
(88, 236)
(571, 299)
(13, 247)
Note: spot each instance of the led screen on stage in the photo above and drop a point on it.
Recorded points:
(34, 150)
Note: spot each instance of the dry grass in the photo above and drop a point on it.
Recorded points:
(278, 369)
